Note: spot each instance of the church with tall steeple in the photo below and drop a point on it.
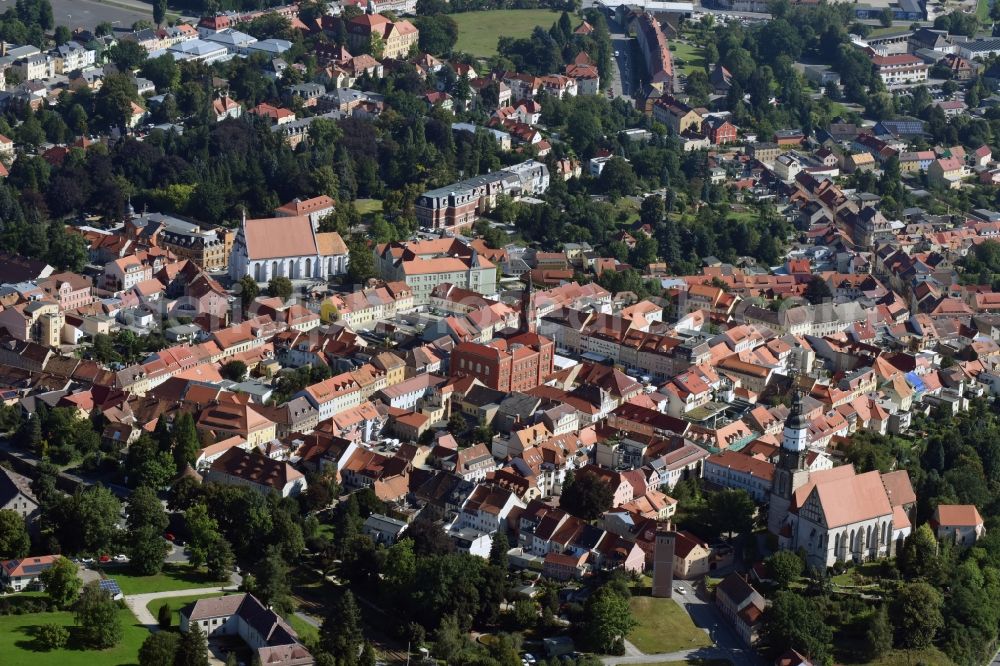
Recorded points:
(528, 318)
(834, 515)
(792, 471)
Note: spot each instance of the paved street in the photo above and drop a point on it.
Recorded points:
(177, 555)
(621, 85)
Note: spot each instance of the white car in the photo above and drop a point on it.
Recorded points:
(121, 558)
(680, 589)
(616, 54)
(87, 560)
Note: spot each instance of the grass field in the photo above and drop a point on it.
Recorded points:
(367, 206)
(306, 631)
(478, 31)
(693, 57)
(983, 11)
(664, 627)
(176, 604)
(18, 646)
(171, 578)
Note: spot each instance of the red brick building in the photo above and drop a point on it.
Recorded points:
(513, 364)
(719, 131)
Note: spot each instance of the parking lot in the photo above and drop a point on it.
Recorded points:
(88, 13)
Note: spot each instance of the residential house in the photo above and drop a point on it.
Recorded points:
(947, 173)
(16, 494)
(742, 606)
(25, 573)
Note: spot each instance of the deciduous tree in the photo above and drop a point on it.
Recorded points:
(204, 532)
(62, 582)
(147, 549)
(14, 539)
(98, 618)
(793, 622)
(608, 621)
(280, 287)
(586, 496)
(916, 615)
(159, 649)
(784, 567)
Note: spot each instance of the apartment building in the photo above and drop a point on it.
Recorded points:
(900, 69)
(655, 51)
(423, 265)
(397, 38)
(460, 204)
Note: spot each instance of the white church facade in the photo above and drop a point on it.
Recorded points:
(835, 515)
(286, 247)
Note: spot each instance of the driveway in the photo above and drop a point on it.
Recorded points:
(137, 602)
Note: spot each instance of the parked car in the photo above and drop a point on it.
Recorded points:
(121, 558)
(169, 536)
(104, 559)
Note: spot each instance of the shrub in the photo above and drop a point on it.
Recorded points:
(53, 636)
(164, 616)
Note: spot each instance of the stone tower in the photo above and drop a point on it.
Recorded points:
(663, 562)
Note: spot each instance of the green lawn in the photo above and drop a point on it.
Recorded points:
(846, 578)
(879, 31)
(693, 57)
(307, 633)
(478, 32)
(176, 604)
(664, 627)
(746, 215)
(368, 206)
(178, 577)
(19, 648)
(983, 11)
